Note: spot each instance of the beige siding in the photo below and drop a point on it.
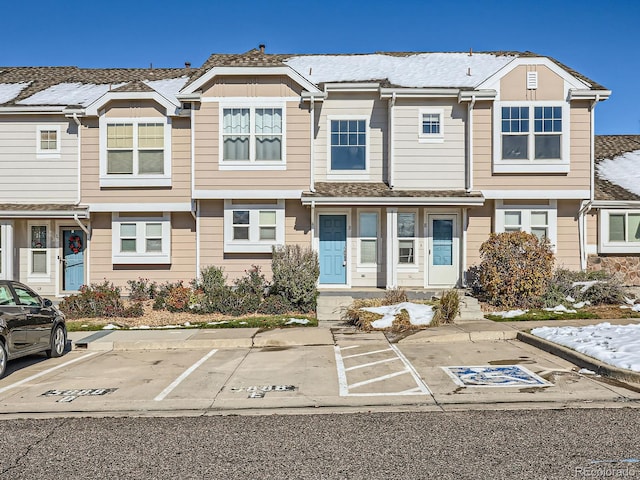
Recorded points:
(134, 109)
(28, 178)
(183, 254)
(513, 86)
(252, 86)
(429, 166)
(207, 154)
(480, 225)
(180, 190)
(353, 104)
(568, 248)
(591, 226)
(297, 231)
(577, 178)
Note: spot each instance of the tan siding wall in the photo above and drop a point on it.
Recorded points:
(578, 177)
(513, 86)
(134, 109)
(480, 226)
(252, 86)
(180, 190)
(429, 166)
(183, 254)
(592, 227)
(298, 226)
(568, 249)
(365, 105)
(27, 178)
(207, 154)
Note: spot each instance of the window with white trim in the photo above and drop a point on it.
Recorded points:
(532, 138)
(252, 135)
(135, 151)
(431, 125)
(348, 144)
(253, 228)
(48, 141)
(539, 220)
(141, 240)
(38, 250)
(407, 229)
(368, 239)
(620, 231)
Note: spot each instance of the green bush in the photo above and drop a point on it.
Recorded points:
(275, 305)
(177, 299)
(515, 269)
(607, 290)
(96, 300)
(142, 289)
(295, 273)
(162, 294)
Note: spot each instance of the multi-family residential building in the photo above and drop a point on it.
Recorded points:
(394, 167)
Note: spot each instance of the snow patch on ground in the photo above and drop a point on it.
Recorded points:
(111, 326)
(510, 313)
(418, 314)
(623, 170)
(560, 309)
(617, 345)
(300, 321)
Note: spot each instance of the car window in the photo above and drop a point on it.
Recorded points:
(26, 297)
(6, 297)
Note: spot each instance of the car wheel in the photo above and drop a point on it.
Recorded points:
(58, 342)
(3, 359)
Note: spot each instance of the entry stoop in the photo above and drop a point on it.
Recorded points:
(470, 310)
(330, 306)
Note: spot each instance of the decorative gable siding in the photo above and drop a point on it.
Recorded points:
(433, 165)
(31, 178)
(252, 86)
(513, 86)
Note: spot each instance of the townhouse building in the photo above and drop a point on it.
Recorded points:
(394, 167)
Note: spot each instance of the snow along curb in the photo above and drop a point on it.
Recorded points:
(581, 360)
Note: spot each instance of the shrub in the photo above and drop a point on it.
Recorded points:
(607, 288)
(162, 294)
(448, 308)
(275, 305)
(295, 273)
(142, 289)
(210, 290)
(253, 285)
(96, 300)
(515, 269)
(394, 296)
(177, 299)
(134, 309)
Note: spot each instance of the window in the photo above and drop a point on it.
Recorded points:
(620, 231)
(38, 252)
(26, 296)
(6, 297)
(253, 228)
(141, 240)
(368, 238)
(48, 141)
(406, 238)
(253, 135)
(135, 152)
(539, 220)
(531, 139)
(431, 125)
(348, 144)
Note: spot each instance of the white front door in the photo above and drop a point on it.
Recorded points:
(443, 246)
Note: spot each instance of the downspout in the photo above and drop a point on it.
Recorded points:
(465, 221)
(469, 183)
(196, 216)
(585, 206)
(312, 230)
(79, 125)
(195, 203)
(392, 104)
(312, 182)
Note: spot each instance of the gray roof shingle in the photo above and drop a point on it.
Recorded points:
(609, 147)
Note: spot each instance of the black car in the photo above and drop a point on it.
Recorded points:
(28, 324)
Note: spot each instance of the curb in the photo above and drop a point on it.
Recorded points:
(580, 359)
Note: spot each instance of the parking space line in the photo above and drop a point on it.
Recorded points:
(421, 385)
(45, 372)
(366, 353)
(364, 365)
(378, 379)
(184, 375)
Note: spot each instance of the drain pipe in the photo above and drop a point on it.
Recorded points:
(469, 185)
(79, 125)
(196, 217)
(312, 182)
(392, 104)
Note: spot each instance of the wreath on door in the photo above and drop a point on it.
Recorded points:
(75, 243)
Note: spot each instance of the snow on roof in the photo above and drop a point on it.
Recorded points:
(169, 87)
(69, 94)
(420, 70)
(623, 170)
(9, 91)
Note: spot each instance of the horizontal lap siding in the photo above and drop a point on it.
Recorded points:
(479, 227)
(568, 248)
(26, 178)
(429, 166)
(183, 254)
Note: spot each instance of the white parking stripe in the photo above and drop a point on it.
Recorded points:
(378, 379)
(366, 353)
(45, 372)
(423, 386)
(364, 365)
(184, 375)
(342, 375)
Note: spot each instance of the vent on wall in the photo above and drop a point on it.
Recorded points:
(532, 80)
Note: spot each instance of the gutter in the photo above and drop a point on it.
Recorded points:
(403, 201)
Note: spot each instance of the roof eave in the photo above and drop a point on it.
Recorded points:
(589, 94)
(404, 201)
(419, 92)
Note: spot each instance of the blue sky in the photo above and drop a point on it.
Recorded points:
(598, 39)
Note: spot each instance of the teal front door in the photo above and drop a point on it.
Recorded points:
(332, 254)
(73, 259)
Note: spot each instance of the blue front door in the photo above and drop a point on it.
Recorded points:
(73, 259)
(333, 244)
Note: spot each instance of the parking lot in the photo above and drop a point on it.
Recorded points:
(289, 369)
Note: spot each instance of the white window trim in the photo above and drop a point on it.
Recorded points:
(252, 163)
(415, 266)
(369, 267)
(341, 175)
(135, 180)
(38, 277)
(431, 137)
(253, 244)
(54, 153)
(531, 165)
(552, 218)
(140, 257)
(604, 245)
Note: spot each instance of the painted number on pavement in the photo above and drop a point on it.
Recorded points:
(70, 395)
(259, 391)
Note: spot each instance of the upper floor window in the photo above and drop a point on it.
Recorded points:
(48, 141)
(348, 144)
(135, 152)
(431, 121)
(532, 139)
(253, 228)
(252, 135)
(141, 240)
